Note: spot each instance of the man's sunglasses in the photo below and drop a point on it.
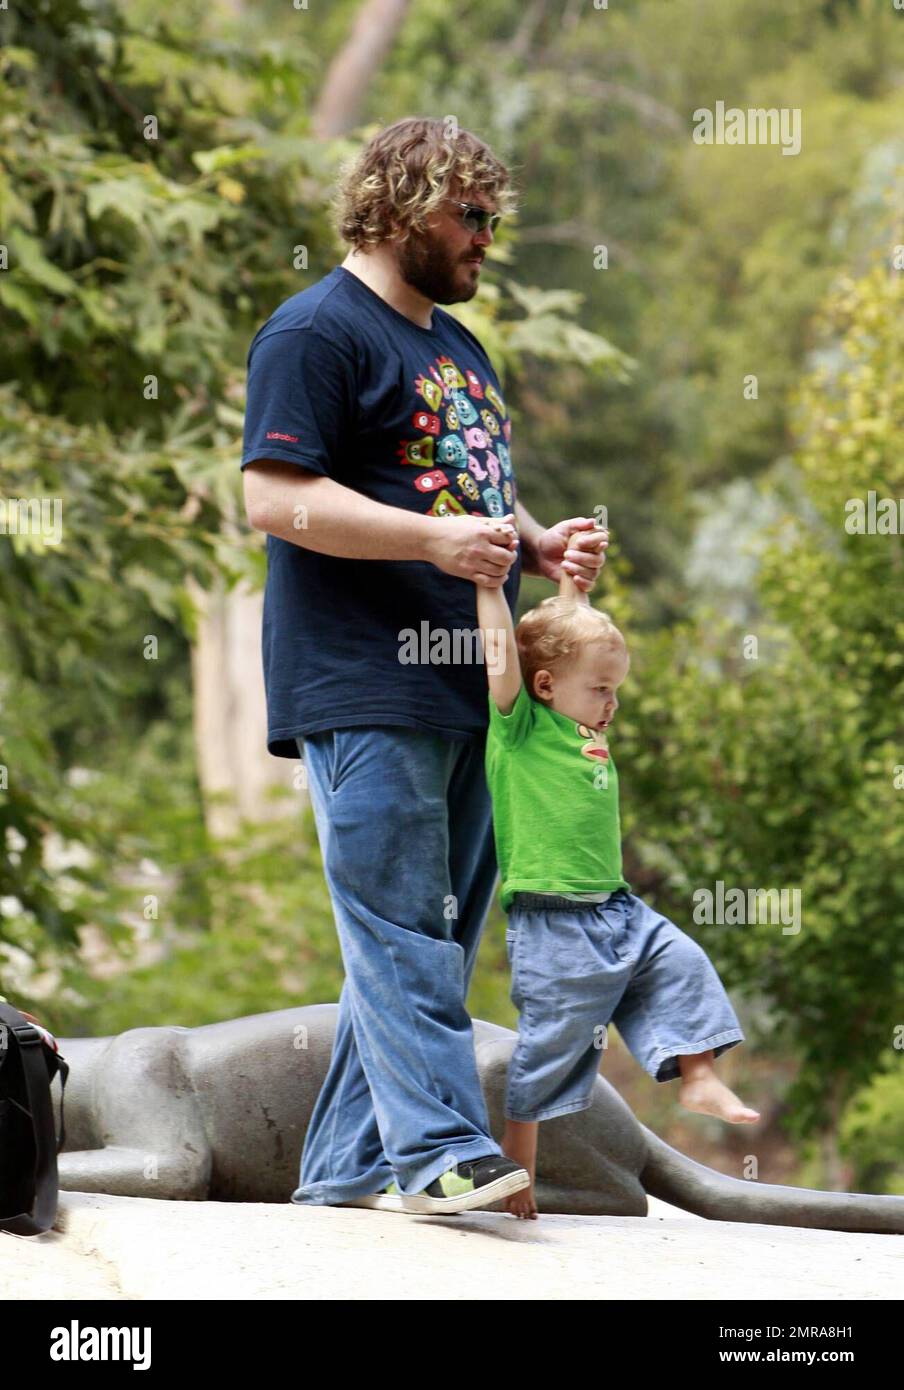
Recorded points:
(476, 218)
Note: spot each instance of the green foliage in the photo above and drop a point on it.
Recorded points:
(131, 290)
(872, 1133)
(780, 771)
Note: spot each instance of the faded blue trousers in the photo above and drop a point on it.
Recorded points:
(404, 821)
(576, 967)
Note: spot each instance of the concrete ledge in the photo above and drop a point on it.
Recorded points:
(138, 1248)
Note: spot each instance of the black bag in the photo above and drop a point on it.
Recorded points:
(29, 1184)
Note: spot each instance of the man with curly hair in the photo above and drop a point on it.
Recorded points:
(377, 448)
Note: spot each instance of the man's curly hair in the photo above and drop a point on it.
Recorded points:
(403, 173)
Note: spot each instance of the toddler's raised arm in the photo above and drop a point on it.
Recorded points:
(500, 649)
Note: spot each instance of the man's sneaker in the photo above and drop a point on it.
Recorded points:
(476, 1182)
(390, 1199)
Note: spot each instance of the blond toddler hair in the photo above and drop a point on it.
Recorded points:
(553, 633)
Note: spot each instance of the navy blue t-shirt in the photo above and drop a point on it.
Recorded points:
(343, 384)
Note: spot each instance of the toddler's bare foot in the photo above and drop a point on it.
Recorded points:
(522, 1203)
(519, 1142)
(709, 1096)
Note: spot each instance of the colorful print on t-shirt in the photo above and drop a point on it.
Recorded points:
(465, 430)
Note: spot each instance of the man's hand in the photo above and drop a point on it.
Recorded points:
(470, 547)
(585, 556)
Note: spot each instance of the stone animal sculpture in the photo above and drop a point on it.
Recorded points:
(219, 1113)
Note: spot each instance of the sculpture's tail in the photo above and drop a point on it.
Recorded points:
(673, 1177)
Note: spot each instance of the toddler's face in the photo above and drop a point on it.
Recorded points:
(584, 690)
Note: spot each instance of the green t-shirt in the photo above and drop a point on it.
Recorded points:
(555, 802)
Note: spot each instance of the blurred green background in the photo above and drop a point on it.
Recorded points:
(139, 260)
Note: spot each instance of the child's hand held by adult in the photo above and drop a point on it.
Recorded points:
(481, 549)
(573, 583)
(572, 553)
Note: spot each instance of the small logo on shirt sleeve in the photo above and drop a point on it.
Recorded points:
(276, 434)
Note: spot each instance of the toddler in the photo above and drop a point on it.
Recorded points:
(584, 951)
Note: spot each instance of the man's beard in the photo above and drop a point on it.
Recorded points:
(427, 266)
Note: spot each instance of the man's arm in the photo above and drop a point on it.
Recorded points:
(528, 531)
(315, 512)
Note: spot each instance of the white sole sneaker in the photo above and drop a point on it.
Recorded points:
(380, 1201)
(423, 1204)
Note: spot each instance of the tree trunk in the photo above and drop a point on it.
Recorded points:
(237, 774)
(354, 67)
